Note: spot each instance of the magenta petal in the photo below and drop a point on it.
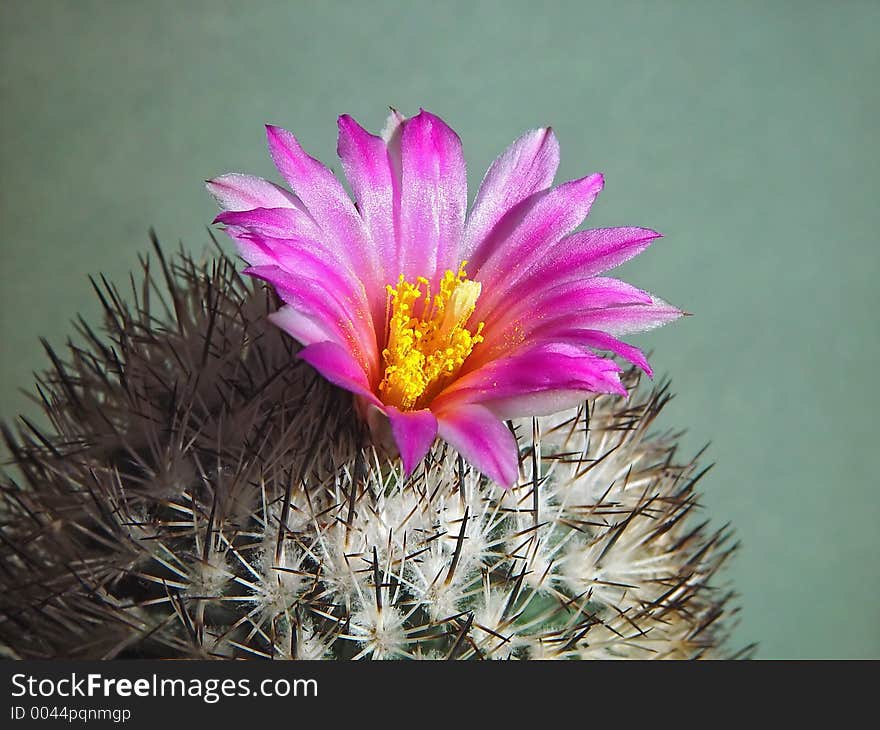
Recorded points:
(627, 320)
(543, 403)
(580, 255)
(526, 167)
(483, 440)
(414, 432)
(515, 322)
(305, 329)
(336, 364)
(546, 370)
(295, 265)
(251, 247)
(304, 258)
(375, 185)
(329, 205)
(277, 222)
(235, 191)
(547, 217)
(302, 268)
(591, 252)
(300, 256)
(549, 324)
(596, 292)
(316, 298)
(433, 197)
(603, 341)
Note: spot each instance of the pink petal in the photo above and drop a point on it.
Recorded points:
(332, 209)
(293, 252)
(251, 247)
(546, 369)
(305, 329)
(375, 185)
(315, 297)
(277, 222)
(414, 432)
(580, 255)
(336, 364)
(516, 321)
(433, 197)
(602, 341)
(627, 320)
(292, 265)
(540, 221)
(524, 168)
(614, 320)
(483, 440)
(235, 191)
(591, 252)
(541, 403)
(302, 257)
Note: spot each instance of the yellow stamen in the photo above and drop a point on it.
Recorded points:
(426, 350)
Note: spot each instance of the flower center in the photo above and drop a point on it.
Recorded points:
(427, 342)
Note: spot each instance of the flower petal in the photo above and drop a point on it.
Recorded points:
(331, 208)
(580, 255)
(305, 329)
(593, 251)
(315, 297)
(483, 440)
(414, 432)
(546, 369)
(302, 257)
(510, 326)
(626, 320)
(540, 221)
(337, 365)
(526, 167)
(277, 222)
(433, 197)
(376, 187)
(617, 320)
(235, 191)
(603, 341)
(541, 403)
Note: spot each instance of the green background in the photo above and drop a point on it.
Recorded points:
(745, 131)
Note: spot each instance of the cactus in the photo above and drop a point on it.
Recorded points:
(201, 493)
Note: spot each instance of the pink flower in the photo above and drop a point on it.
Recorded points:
(440, 321)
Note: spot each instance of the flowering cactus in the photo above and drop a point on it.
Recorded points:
(201, 492)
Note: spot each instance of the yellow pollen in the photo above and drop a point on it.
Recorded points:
(428, 341)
